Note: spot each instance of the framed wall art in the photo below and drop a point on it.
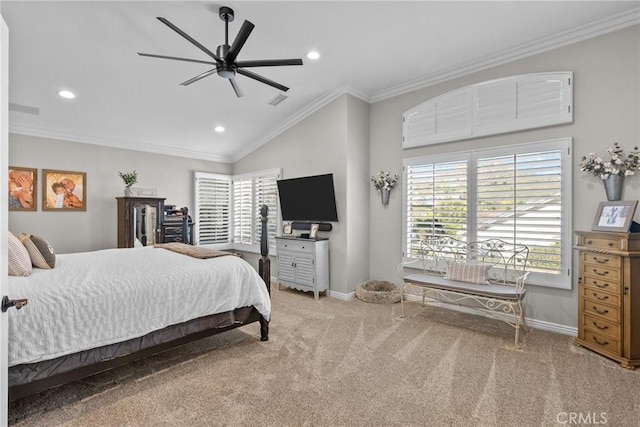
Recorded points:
(614, 216)
(64, 190)
(23, 189)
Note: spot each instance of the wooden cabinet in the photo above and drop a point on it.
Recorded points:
(303, 264)
(609, 295)
(139, 221)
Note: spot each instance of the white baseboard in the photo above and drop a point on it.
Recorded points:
(552, 327)
(340, 295)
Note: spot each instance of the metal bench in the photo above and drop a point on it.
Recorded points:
(488, 275)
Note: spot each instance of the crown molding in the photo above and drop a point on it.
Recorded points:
(587, 31)
(594, 29)
(584, 32)
(303, 114)
(115, 143)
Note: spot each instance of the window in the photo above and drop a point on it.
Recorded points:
(250, 191)
(213, 210)
(520, 194)
(228, 209)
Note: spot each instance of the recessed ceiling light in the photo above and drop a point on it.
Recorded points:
(313, 55)
(66, 94)
(219, 128)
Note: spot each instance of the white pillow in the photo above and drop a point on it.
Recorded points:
(465, 272)
(19, 260)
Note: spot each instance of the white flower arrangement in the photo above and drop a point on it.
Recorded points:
(384, 180)
(620, 164)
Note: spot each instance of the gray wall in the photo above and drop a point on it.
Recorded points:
(96, 228)
(314, 146)
(358, 191)
(350, 139)
(334, 140)
(606, 110)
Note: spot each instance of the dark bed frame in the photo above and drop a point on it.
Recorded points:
(22, 390)
(18, 391)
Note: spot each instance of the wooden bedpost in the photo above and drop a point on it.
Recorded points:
(264, 265)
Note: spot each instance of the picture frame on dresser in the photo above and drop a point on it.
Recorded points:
(614, 216)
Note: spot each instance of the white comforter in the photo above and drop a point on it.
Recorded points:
(97, 298)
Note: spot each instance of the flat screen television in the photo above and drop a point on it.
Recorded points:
(309, 198)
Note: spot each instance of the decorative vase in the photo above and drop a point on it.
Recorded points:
(127, 191)
(384, 192)
(613, 187)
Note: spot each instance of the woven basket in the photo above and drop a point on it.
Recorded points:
(379, 292)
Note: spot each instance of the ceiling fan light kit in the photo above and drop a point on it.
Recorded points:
(224, 59)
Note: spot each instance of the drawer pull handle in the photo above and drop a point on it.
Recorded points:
(600, 311)
(601, 286)
(610, 243)
(604, 273)
(600, 342)
(601, 260)
(602, 298)
(589, 242)
(602, 328)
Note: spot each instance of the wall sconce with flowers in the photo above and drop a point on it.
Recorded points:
(384, 182)
(613, 171)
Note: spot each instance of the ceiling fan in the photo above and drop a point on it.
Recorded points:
(225, 64)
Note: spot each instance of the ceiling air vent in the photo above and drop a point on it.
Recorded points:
(24, 109)
(277, 100)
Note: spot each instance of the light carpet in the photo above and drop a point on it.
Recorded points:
(350, 363)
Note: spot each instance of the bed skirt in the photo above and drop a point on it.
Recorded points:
(34, 377)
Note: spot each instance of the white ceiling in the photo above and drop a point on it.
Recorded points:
(372, 50)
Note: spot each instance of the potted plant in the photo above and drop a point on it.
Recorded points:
(129, 178)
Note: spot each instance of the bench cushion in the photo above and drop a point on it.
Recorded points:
(503, 292)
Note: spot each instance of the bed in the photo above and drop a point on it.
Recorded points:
(98, 310)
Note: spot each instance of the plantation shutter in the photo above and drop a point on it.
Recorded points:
(445, 118)
(212, 211)
(266, 193)
(436, 202)
(519, 193)
(243, 214)
(509, 104)
(519, 201)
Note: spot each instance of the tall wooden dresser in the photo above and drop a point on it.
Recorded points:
(609, 295)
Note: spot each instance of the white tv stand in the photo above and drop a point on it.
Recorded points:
(303, 264)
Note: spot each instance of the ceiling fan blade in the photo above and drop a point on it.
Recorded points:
(236, 88)
(189, 38)
(198, 77)
(240, 40)
(262, 79)
(269, 63)
(150, 55)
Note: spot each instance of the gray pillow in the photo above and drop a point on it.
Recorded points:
(40, 251)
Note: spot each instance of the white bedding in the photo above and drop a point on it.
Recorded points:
(97, 298)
